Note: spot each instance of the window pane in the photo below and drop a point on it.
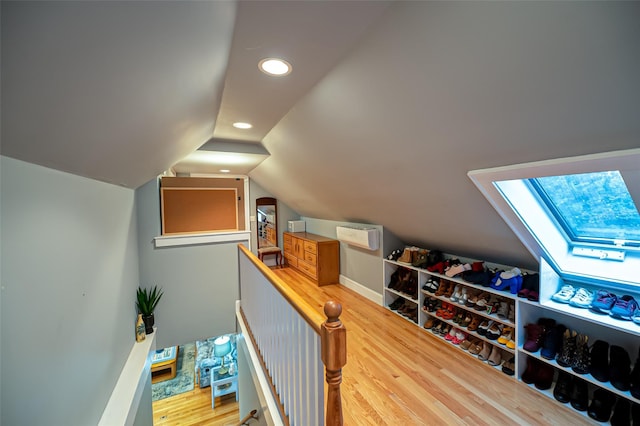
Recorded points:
(592, 206)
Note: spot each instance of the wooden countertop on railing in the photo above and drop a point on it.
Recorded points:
(398, 374)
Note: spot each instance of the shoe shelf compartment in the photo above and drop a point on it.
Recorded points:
(471, 310)
(403, 295)
(549, 394)
(502, 349)
(473, 334)
(594, 330)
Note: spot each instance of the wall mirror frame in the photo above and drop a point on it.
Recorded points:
(267, 222)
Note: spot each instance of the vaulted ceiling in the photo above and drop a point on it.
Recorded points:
(388, 107)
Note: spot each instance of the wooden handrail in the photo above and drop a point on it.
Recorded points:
(306, 311)
(333, 337)
(334, 357)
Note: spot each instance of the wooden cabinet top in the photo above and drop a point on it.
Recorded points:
(310, 237)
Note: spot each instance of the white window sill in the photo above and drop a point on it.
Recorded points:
(193, 239)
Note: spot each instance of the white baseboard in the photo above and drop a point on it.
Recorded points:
(362, 290)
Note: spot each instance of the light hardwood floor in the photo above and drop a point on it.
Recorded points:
(400, 374)
(193, 408)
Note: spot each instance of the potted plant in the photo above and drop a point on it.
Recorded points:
(147, 300)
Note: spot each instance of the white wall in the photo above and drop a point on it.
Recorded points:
(69, 275)
(200, 282)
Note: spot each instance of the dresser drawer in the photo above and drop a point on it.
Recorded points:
(307, 269)
(310, 258)
(288, 247)
(291, 260)
(286, 238)
(310, 247)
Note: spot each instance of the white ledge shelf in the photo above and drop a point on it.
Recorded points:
(194, 239)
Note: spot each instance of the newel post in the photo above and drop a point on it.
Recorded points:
(334, 357)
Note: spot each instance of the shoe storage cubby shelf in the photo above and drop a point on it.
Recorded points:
(412, 303)
(596, 327)
(420, 304)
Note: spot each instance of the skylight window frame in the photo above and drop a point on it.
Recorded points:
(552, 244)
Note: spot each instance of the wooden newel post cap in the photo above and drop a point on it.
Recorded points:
(332, 310)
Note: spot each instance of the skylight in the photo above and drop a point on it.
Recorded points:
(591, 207)
(579, 215)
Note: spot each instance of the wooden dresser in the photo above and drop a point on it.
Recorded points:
(314, 255)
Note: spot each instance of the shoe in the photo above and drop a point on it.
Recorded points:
(466, 321)
(420, 259)
(462, 300)
(619, 368)
(482, 278)
(485, 352)
(534, 335)
(494, 331)
(582, 299)
(565, 357)
(443, 286)
(564, 294)
(459, 337)
(635, 413)
(530, 287)
(481, 302)
(406, 256)
(544, 379)
(456, 293)
(483, 327)
(624, 308)
(503, 310)
(621, 413)
(531, 372)
(471, 301)
(449, 313)
(474, 324)
(552, 342)
(507, 334)
(450, 335)
(580, 362)
(508, 280)
(476, 347)
(579, 395)
(599, 356)
(395, 254)
(636, 316)
(450, 290)
(466, 344)
(601, 405)
(396, 304)
(634, 380)
(603, 302)
(496, 356)
(428, 324)
(564, 384)
(509, 366)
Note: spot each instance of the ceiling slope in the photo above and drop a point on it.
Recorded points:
(442, 88)
(115, 91)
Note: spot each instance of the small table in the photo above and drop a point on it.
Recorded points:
(223, 384)
(163, 364)
(262, 252)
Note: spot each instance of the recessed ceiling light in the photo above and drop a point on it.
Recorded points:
(273, 66)
(224, 170)
(241, 125)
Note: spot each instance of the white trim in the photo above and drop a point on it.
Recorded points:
(193, 239)
(361, 290)
(125, 398)
(272, 414)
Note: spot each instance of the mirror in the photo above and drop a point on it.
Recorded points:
(267, 222)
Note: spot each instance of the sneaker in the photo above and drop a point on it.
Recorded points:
(565, 294)
(582, 298)
(603, 302)
(624, 308)
(636, 316)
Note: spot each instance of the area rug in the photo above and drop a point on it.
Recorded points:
(183, 382)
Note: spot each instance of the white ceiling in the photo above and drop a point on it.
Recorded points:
(389, 105)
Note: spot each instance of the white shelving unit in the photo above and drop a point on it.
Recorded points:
(390, 295)
(625, 334)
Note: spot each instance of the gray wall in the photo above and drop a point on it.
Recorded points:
(69, 275)
(200, 282)
(360, 265)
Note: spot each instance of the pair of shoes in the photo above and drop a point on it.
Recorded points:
(495, 358)
(408, 255)
(396, 304)
(511, 280)
(564, 294)
(538, 373)
(506, 338)
(601, 405)
(580, 363)
(613, 364)
(482, 278)
(395, 255)
(603, 302)
(458, 269)
(494, 331)
(565, 356)
(534, 334)
(634, 380)
(582, 298)
(419, 259)
(483, 327)
(429, 323)
(503, 309)
(530, 288)
(474, 324)
(563, 388)
(431, 285)
(476, 347)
